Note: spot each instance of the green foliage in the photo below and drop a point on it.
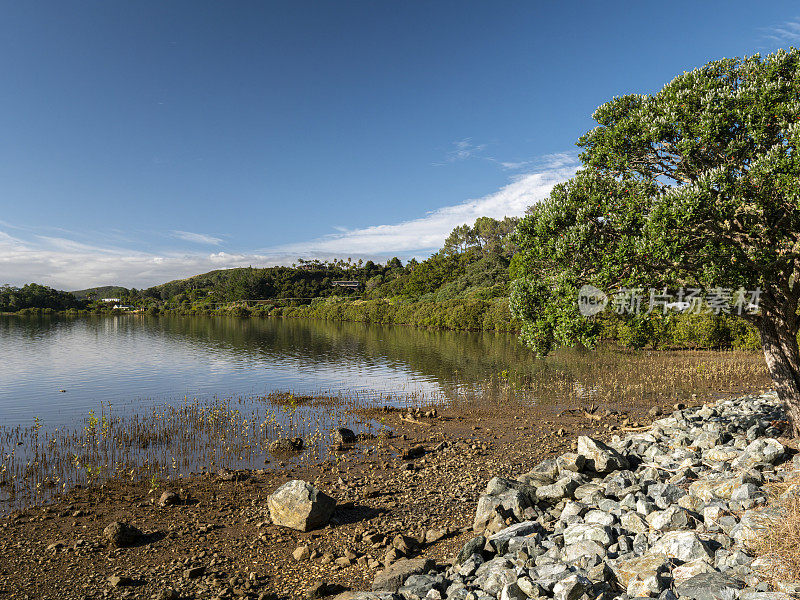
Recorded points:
(34, 296)
(693, 185)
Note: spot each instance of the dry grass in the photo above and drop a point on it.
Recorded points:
(779, 547)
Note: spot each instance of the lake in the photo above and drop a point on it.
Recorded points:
(135, 360)
(162, 396)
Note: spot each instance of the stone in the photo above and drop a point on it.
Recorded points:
(318, 589)
(194, 572)
(643, 566)
(563, 488)
(683, 545)
(708, 586)
(634, 523)
(417, 587)
(512, 591)
(645, 586)
(169, 498)
(571, 587)
(116, 581)
(122, 535)
(391, 578)
(570, 462)
(585, 548)
(579, 532)
(301, 553)
(669, 519)
(342, 435)
(299, 505)
(473, 546)
(599, 517)
(499, 541)
(286, 445)
(690, 569)
(599, 457)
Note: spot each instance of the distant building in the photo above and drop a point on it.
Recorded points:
(109, 300)
(122, 307)
(347, 284)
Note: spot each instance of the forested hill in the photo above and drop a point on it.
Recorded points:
(472, 263)
(473, 260)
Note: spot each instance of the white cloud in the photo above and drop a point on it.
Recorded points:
(430, 231)
(67, 264)
(786, 33)
(197, 238)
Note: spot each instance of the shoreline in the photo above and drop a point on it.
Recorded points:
(378, 491)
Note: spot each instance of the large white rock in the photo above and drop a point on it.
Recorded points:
(599, 457)
(299, 505)
(683, 545)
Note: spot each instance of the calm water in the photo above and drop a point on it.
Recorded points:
(135, 360)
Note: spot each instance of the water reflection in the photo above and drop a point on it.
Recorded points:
(138, 358)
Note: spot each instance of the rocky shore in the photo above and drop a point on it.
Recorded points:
(675, 510)
(442, 506)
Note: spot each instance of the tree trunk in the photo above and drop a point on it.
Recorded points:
(783, 362)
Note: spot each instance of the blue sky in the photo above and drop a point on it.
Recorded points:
(146, 141)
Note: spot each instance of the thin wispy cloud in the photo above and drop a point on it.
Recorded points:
(197, 238)
(787, 33)
(65, 263)
(430, 231)
(462, 150)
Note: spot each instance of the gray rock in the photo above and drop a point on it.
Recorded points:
(416, 587)
(122, 535)
(683, 545)
(391, 578)
(572, 587)
(512, 591)
(473, 546)
(585, 548)
(169, 498)
(670, 519)
(499, 541)
(709, 586)
(581, 531)
(599, 457)
(634, 523)
(299, 505)
(342, 435)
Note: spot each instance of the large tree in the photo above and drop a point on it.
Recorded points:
(695, 185)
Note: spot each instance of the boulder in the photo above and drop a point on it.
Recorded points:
(473, 546)
(122, 535)
(579, 532)
(708, 586)
(299, 505)
(684, 546)
(393, 577)
(643, 566)
(342, 435)
(599, 457)
(169, 498)
(286, 445)
(499, 541)
(571, 587)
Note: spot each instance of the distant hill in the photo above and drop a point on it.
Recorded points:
(108, 291)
